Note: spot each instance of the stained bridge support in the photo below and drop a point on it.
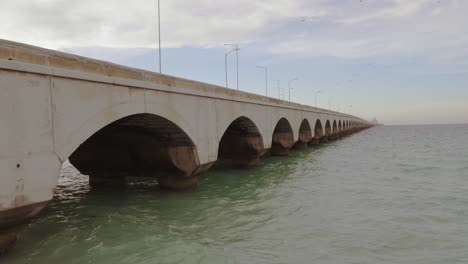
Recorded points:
(318, 133)
(242, 144)
(305, 135)
(328, 133)
(283, 138)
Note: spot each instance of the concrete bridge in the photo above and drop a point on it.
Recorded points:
(110, 121)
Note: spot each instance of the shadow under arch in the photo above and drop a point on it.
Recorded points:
(340, 127)
(328, 130)
(241, 143)
(305, 134)
(283, 138)
(143, 145)
(318, 133)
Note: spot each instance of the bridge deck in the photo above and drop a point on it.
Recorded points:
(56, 63)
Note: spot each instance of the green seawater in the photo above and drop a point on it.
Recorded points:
(392, 194)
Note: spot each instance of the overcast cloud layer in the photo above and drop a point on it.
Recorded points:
(341, 28)
(387, 57)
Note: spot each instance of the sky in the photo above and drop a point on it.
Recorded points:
(401, 61)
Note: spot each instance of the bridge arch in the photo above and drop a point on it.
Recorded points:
(318, 133)
(282, 139)
(144, 145)
(318, 129)
(340, 128)
(305, 134)
(75, 130)
(241, 143)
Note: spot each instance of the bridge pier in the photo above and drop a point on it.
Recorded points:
(283, 138)
(282, 142)
(249, 161)
(305, 135)
(314, 141)
(300, 144)
(11, 220)
(324, 139)
(182, 182)
(247, 152)
(243, 151)
(242, 144)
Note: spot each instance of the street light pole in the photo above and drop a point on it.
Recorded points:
(225, 65)
(279, 89)
(225, 68)
(159, 35)
(266, 78)
(289, 87)
(237, 66)
(236, 48)
(317, 92)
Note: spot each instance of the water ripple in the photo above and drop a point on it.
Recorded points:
(386, 195)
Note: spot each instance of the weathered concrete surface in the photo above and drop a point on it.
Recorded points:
(112, 121)
(244, 151)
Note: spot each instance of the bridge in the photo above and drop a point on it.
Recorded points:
(111, 121)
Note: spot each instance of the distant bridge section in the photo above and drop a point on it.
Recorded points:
(112, 121)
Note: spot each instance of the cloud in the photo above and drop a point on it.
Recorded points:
(405, 27)
(418, 46)
(83, 23)
(339, 28)
(399, 8)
